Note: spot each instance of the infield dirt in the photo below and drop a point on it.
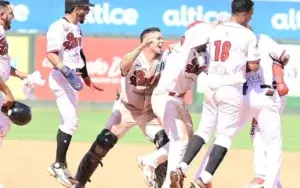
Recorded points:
(23, 165)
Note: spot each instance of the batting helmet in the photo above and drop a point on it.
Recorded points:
(19, 113)
(70, 4)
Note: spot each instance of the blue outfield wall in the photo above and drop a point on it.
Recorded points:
(118, 17)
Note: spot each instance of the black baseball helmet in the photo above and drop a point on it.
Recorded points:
(70, 4)
(20, 114)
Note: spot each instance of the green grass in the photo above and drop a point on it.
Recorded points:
(45, 123)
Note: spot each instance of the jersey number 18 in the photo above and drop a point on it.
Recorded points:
(222, 50)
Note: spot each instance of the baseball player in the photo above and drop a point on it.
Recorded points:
(6, 70)
(65, 52)
(232, 49)
(273, 58)
(140, 70)
(156, 158)
(175, 82)
(267, 141)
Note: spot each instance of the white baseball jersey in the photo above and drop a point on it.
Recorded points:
(268, 49)
(231, 46)
(65, 39)
(4, 57)
(138, 84)
(183, 67)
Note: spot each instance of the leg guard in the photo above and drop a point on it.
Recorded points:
(215, 158)
(89, 163)
(160, 140)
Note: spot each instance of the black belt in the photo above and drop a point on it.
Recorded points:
(76, 70)
(263, 86)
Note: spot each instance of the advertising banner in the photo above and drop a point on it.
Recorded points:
(103, 58)
(19, 51)
(119, 17)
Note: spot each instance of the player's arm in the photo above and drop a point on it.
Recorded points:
(85, 75)
(16, 73)
(277, 52)
(54, 42)
(9, 99)
(253, 57)
(127, 62)
(280, 59)
(83, 71)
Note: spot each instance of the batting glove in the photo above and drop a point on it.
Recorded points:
(72, 77)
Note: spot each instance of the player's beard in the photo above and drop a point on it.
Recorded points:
(81, 17)
(6, 24)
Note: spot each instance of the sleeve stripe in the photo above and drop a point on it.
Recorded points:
(254, 61)
(53, 51)
(282, 55)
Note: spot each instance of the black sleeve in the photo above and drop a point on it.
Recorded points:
(84, 72)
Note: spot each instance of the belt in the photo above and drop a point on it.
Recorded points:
(76, 70)
(264, 86)
(173, 94)
(269, 92)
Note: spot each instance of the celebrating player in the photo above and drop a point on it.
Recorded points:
(6, 70)
(267, 141)
(232, 49)
(175, 82)
(140, 70)
(65, 52)
(259, 84)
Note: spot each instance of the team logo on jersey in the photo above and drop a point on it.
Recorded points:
(3, 46)
(193, 67)
(71, 41)
(138, 79)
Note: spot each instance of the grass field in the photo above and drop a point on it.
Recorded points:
(45, 122)
(28, 151)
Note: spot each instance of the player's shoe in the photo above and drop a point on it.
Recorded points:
(78, 186)
(256, 183)
(62, 174)
(148, 172)
(177, 178)
(259, 183)
(199, 184)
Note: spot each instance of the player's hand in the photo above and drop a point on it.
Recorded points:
(148, 41)
(89, 83)
(282, 88)
(8, 101)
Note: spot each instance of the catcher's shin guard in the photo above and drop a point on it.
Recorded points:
(89, 163)
(160, 140)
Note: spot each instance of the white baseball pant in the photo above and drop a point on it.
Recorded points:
(221, 111)
(5, 123)
(125, 116)
(151, 128)
(66, 101)
(259, 148)
(266, 111)
(172, 113)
